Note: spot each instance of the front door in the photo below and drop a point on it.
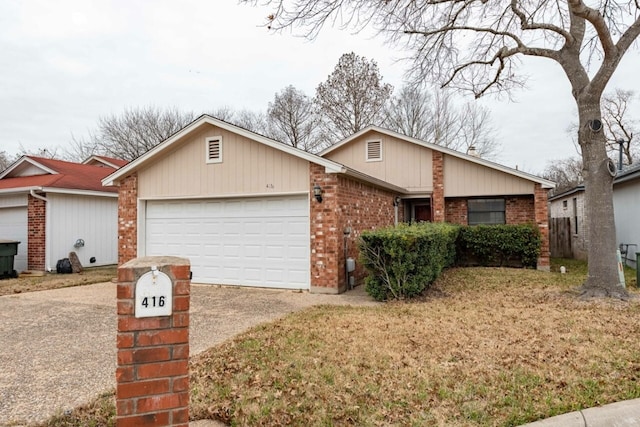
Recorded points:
(422, 213)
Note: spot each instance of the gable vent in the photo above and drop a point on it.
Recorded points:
(374, 151)
(214, 149)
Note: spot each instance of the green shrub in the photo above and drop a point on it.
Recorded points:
(499, 245)
(403, 261)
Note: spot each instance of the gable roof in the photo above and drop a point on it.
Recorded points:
(329, 165)
(50, 175)
(545, 183)
(111, 162)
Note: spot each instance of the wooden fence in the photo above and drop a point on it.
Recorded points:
(560, 238)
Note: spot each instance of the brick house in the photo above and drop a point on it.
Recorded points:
(50, 205)
(247, 210)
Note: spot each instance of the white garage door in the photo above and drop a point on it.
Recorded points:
(250, 241)
(13, 226)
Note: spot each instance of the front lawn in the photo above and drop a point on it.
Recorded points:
(47, 281)
(484, 346)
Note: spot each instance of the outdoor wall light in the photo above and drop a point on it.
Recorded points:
(317, 193)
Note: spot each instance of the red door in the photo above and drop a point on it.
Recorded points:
(423, 213)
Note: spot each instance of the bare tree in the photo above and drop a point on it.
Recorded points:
(291, 118)
(416, 113)
(619, 128)
(477, 131)
(135, 131)
(475, 45)
(81, 148)
(5, 160)
(410, 113)
(566, 173)
(51, 152)
(250, 120)
(352, 97)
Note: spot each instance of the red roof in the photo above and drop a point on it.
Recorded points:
(118, 162)
(69, 176)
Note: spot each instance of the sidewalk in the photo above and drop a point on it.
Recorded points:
(620, 414)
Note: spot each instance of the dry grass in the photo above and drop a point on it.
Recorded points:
(483, 347)
(31, 283)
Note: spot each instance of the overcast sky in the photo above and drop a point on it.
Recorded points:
(64, 64)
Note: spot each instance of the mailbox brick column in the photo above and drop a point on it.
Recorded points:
(153, 352)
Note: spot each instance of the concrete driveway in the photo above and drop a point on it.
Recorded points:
(58, 351)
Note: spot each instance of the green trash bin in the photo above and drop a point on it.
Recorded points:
(8, 250)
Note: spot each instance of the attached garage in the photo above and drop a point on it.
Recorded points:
(13, 226)
(246, 210)
(256, 241)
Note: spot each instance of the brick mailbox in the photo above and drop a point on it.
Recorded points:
(153, 342)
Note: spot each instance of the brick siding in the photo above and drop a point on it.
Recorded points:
(128, 219)
(456, 211)
(542, 221)
(36, 233)
(437, 197)
(346, 203)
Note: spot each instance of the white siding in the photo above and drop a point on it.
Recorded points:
(626, 204)
(92, 219)
(13, 226)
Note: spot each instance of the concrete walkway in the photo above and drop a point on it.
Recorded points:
(58, 348)
(620, 414)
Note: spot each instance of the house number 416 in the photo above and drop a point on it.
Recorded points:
(153, 301)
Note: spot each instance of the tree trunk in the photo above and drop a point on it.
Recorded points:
(602, 279)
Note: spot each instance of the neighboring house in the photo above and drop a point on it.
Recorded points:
(626, 210)
(248, 210)
(105, 162)
(53, 207)
(568, 224)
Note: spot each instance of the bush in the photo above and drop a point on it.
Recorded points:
(499, 245)
(403, 261)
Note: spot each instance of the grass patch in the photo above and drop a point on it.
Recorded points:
(57, 281)
(484, 346)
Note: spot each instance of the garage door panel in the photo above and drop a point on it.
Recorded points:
(255, 242)
(13, 226)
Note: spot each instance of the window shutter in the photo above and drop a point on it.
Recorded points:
(374, 150)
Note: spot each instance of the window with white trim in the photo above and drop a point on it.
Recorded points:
(214, 149)
(486, 211)
(374, 151)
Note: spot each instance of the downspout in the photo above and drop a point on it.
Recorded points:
(396, 202)
(32, 192)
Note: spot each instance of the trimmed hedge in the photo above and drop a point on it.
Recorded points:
(499, 245)
(402, 261)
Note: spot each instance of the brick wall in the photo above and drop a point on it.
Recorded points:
(437, 197)
(36, 233)
(519, 209)
(346, 203)
(456, 211)
(128, 219)
(542, 221)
